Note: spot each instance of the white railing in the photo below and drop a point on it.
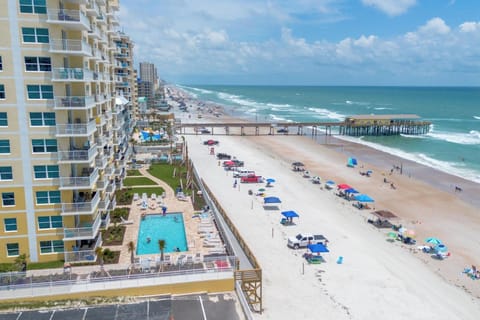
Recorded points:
(70, 46)
(74, 129)
(72, 74)
(105, 220)
(92, 8)
(102, 184)
(113, 204)
(80, 182)
(103, 205)
(79, 208)
(111, 187)
(74, 102)
(78, 155)
(101, 162)
(83, 232)
(67, 17)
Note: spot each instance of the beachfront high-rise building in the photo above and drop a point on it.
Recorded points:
(63, 137)
(148, 82)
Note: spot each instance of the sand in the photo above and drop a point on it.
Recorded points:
(377, 278)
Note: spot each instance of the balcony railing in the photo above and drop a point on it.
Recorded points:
(70, 47)
(83, 230)
(81, 208)
(68, 19)
(105, 220)
(78, 156)
(84, 254)
(76, 129)
(74, 103)
(72, 75)
(101, 162)
(113, 204)
(92, 9)
(82, 182)
(104, 204)
(111, 188)
(102, 184)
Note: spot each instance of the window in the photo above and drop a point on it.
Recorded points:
(48, 197)
(36, 91)
(6, 173)
(4, 146)
(10, 224)
(44, 145)
(46, 172)
(3, 119)
(8, 199)
(12, 249)
(35, 35)
(51, 246)
(38, 64)
(42, 119)
(1, 64)
(33, 6)
(2, 91)
(50, 222)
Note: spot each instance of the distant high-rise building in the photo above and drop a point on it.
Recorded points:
(63, 131)
(148, 84)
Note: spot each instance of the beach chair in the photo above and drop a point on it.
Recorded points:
(189, 259)
(144, 197)
(145, 265)
(153, 197)
(197, 258)
(181, 258)
(123, 221)
(136, 197)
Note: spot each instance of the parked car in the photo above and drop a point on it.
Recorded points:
(210, 142)
(205, 131)
(223, 156)
(302, 240)
(251, 179)
(243, 173)
(282, 130)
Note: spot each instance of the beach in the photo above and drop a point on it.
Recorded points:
(377, 277)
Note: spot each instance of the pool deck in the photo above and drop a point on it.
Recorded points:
(195, 241)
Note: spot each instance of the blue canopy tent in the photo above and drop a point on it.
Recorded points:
(363, 198)
(289, 215)
(269, 200)
(351, 190)
(317, 248)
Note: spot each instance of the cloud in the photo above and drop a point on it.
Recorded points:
(391, 7)
(435, 26)
(470, 27)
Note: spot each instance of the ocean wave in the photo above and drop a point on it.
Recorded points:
(453, 168)
(360, 103)
(383, 108)
(473, 137)
(477, 117)
(277, 118)
(327, 114)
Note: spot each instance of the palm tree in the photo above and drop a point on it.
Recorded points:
(131, 249)
(162, 244)
(99, 253)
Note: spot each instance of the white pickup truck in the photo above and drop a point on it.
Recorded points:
(302, 240)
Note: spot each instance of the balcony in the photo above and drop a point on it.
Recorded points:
(104, 204)
(101, 120)
(77, 1)
(113, 204)
(85, 253)
(72, 75)
(101, 162)
(96, 54)
(78, 155)
(94, 32)
(76, 129)
(105, 220)
(70, 47)
(74, 103)
(68, 19)
(113, 20)
(92, 9)
(81, 208)
(102, 185)
(101, 20)
(84, 230)
(111, 188)
(101, 2)
(86, 181)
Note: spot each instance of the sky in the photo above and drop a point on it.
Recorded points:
(307, 42)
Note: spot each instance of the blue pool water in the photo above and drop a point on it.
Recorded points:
(169, 228)
(145, 136)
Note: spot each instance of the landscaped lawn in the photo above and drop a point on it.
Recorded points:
(164, 172)
(138, 181)
(133, 173)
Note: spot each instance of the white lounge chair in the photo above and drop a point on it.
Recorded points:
(197, 258)
(145, 265)
(125, 221)
(136, 197)
(153, 197)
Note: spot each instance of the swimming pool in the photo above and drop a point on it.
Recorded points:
(155, 227)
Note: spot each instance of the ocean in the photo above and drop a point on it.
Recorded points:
(452, 145)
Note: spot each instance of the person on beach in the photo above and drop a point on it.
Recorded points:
(235, 183)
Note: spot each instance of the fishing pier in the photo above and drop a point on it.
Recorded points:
(359, 125)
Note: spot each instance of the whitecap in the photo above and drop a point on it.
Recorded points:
(477, 117)
(473, 137)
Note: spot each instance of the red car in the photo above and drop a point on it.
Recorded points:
(251, 179)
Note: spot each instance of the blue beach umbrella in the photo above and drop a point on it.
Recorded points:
(440, 248)
(433, 241)
(272, 200)
(290, 214)
(330, 182)
(270, 180)
(351, 190)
